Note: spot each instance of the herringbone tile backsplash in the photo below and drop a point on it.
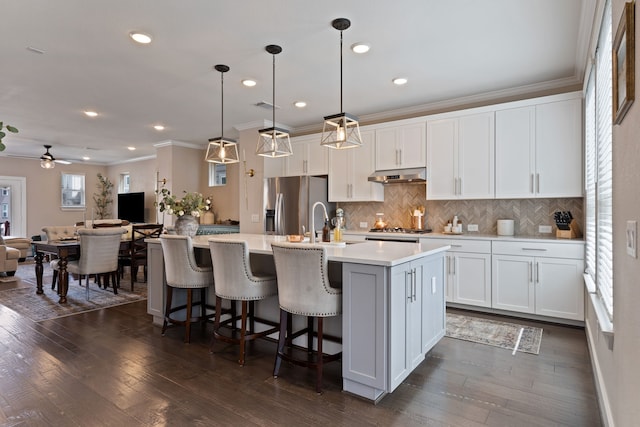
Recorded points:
(401, 199)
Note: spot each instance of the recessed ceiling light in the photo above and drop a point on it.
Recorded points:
(131, 148)
(139, 37)
(300, 104)
(400, 81)
(249, 82)
(91, 113)
(158, 127)
(360, 47)
(86, 158)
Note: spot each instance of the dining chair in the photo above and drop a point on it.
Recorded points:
(236, 281)
(304, 290)
(98, 255)
(183, 272)
(136, 254)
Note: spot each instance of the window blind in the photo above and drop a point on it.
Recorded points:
(590, 176)
(604, 176)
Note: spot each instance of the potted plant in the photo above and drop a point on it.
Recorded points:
(3, 133)
(103, 197)
(187, 209)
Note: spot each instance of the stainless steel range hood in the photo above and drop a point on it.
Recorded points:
(399, 175)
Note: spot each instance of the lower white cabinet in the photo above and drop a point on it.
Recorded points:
(539, 278)
(468, 272)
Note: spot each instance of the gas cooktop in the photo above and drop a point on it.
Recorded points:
(400, 230)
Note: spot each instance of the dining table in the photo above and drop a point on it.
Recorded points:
(63, 250)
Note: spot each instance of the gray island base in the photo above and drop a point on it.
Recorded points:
(393, 304)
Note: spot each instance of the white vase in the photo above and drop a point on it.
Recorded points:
(187, 225)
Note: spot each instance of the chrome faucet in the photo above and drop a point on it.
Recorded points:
(313, 220)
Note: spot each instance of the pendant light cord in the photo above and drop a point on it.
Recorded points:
(341, 110)
(222, 110)
(273, 119)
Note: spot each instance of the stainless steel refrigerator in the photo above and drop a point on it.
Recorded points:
(288, 202)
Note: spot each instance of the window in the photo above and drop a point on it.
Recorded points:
(217, 174)
(5, 191)
(125, 183)
(72, 191)
(598, 171)
(5, 211)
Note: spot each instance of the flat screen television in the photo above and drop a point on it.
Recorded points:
(131, 206)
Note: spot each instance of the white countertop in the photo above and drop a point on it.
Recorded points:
(468, 235)
(370, 252)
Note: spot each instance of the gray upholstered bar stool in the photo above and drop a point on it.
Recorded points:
(235, 281)
(183, 272)
(304, 289)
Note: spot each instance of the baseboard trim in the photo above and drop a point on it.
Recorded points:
(603, 398)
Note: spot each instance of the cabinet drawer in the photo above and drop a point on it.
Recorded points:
(466, 245)
(544, 249)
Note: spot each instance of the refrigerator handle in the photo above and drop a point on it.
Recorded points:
(279, 220)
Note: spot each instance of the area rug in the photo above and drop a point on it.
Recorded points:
(25, 301)
(510, 336)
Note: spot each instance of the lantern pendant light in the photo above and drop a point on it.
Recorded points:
(273, 141)
(222, 150)
(341, 130)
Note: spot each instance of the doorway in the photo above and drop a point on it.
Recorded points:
(15, 190)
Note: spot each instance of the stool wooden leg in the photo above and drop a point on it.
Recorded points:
(167, 308)
(187, 334)
(309, 335)
(243, 332)
(203, 307)
(281, 340)
(320, 358)
(216, 322)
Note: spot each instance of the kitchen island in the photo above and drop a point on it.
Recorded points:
(393, 304)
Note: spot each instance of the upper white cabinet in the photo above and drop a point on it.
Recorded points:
(539, 149)
(349, 170)
(460, 157)
(308, 158)
(400, 146)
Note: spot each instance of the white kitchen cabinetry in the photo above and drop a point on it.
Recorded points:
(308, 158)
(400, 146)
(468, 272)
(539, 149)
(349, 170)
(460, 157)
(539, 278)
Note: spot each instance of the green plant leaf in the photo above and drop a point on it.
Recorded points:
(2, 146)
(12, 129)
(2, 135)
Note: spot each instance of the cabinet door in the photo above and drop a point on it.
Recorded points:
(350, 170)
(471, 275)
(559, 288)
(559, 149)
(476, 156)
(317, 157)
(296, 164)
(401, 147)
(399, 328)
(442, 155)
(512, 283)
(515, 139)
(433, 304)
(340, 177)
(412, 146)
(362, 165)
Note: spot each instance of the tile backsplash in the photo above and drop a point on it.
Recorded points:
(401, 199)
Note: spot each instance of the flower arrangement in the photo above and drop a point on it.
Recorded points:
(190, 204)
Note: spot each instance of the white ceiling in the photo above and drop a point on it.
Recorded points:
(453, 51)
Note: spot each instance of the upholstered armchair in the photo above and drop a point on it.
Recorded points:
(8, 260)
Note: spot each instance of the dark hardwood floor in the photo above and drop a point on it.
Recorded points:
(112, 367)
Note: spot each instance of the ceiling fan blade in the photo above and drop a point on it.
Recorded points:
(62, 162)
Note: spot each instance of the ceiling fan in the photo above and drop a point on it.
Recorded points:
(47, 161)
